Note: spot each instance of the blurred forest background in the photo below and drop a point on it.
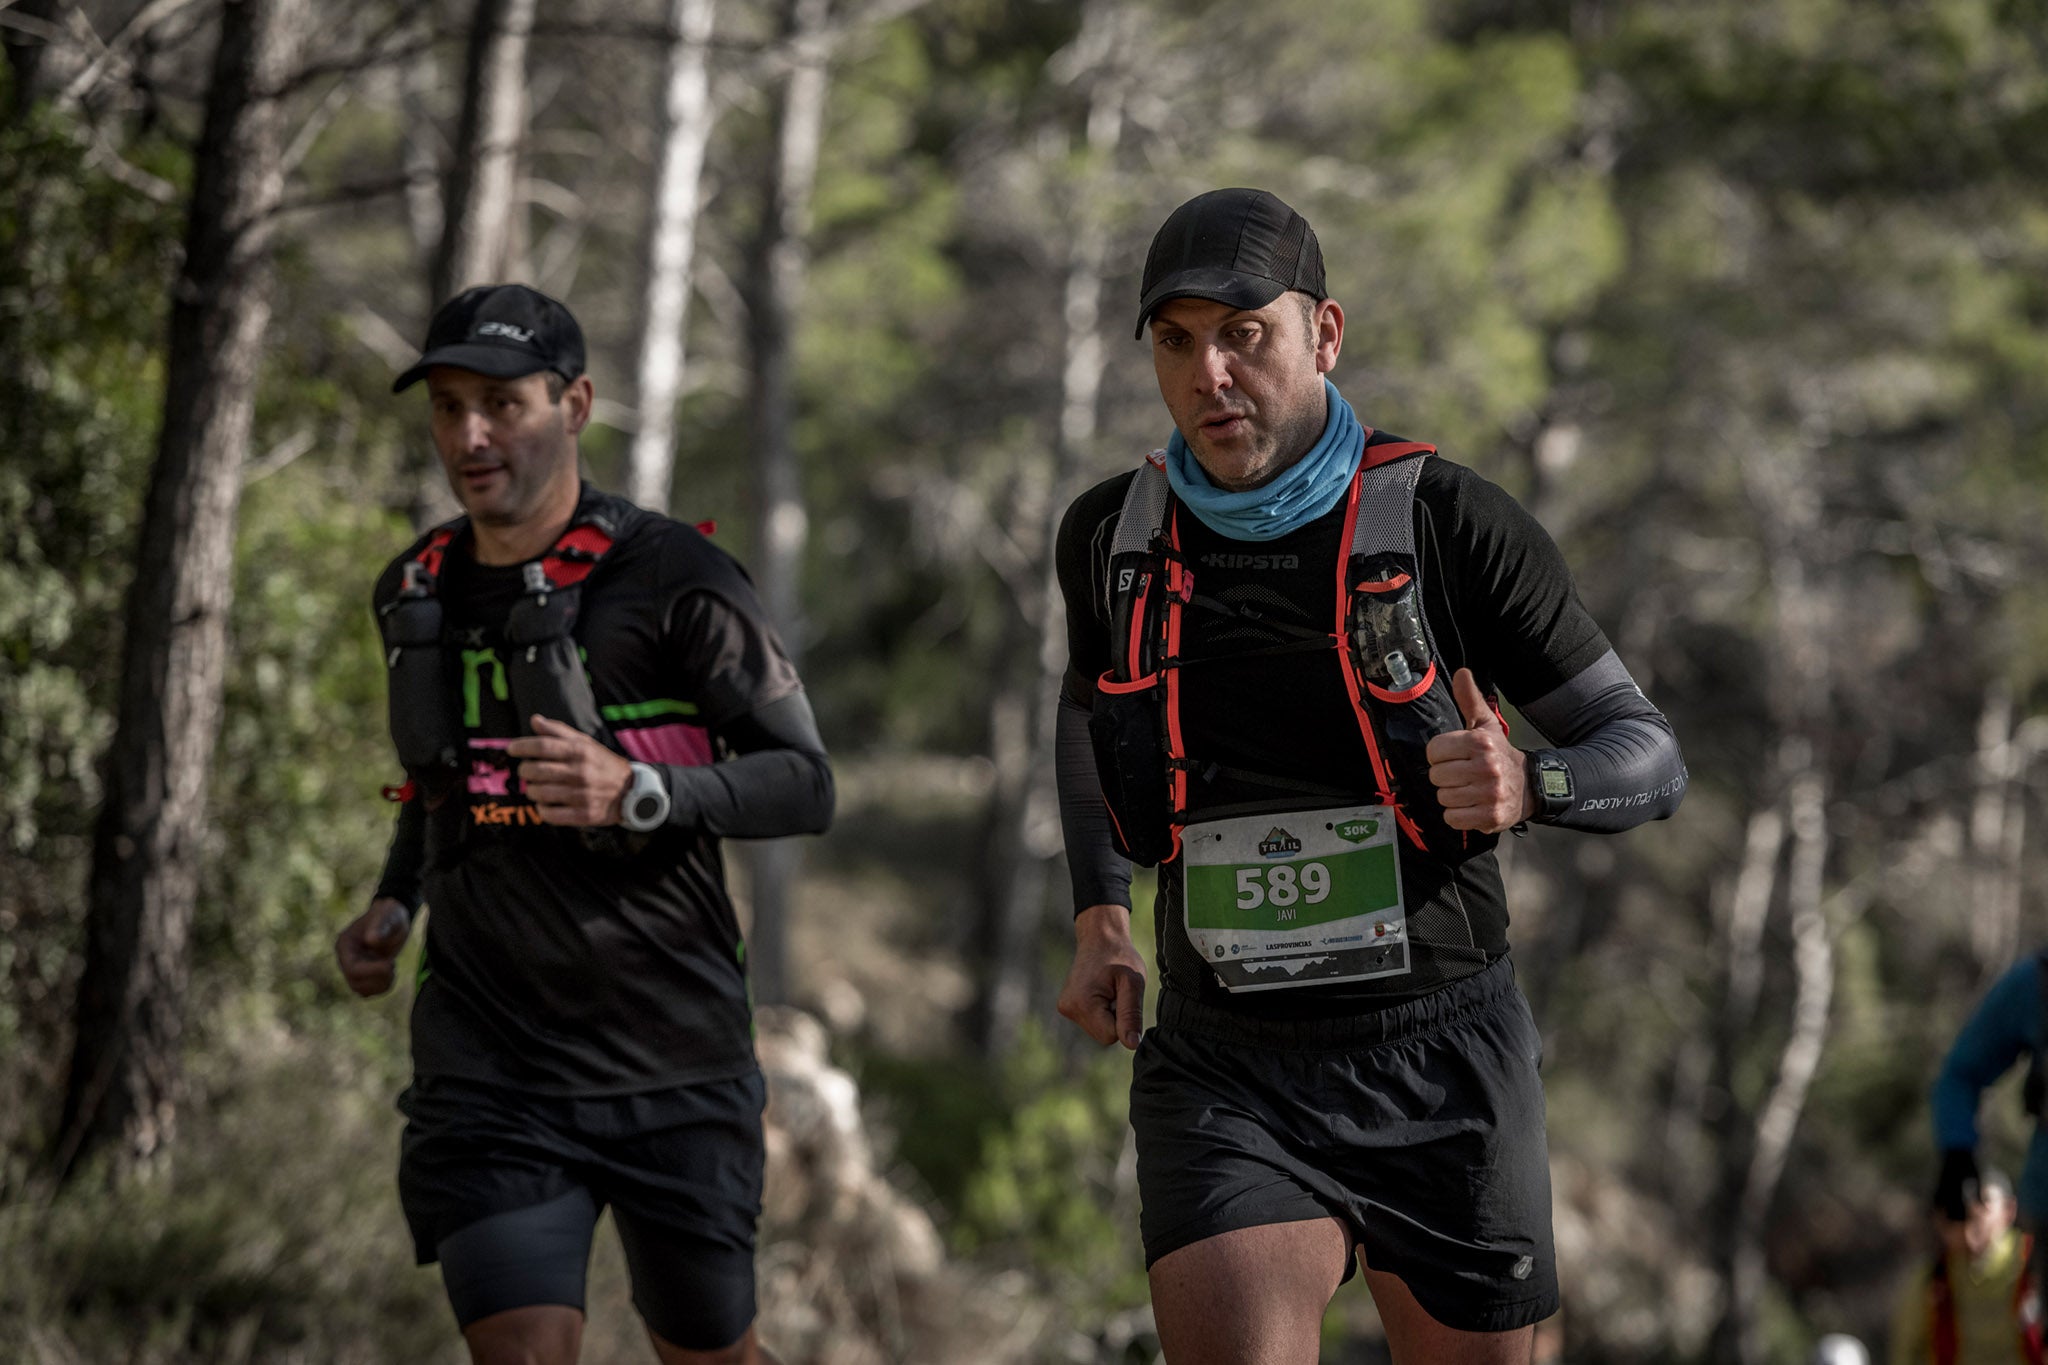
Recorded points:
(1747, 301)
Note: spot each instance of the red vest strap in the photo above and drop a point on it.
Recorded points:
(431, 553)
(1941, 1314)
(1179, 587)
(1354, 685)
(570, 559)
(2024, 1311)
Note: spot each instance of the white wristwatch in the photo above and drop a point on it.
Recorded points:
(645, 806)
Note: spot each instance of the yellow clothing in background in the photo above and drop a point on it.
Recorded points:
(1985, 1292)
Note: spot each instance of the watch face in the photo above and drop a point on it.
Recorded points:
(1556, 783)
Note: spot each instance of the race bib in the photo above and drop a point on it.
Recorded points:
(1309, 898)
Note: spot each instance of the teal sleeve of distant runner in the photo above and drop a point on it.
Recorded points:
(2004, 1027)
(2033, 1191)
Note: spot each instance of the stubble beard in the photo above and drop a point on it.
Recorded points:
(1296, 437)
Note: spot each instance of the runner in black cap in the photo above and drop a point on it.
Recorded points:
(1286, 633)
(586, 698)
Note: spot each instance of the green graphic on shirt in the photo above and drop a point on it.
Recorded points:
(474, 662)
(647, 710)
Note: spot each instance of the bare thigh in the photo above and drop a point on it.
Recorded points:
(1416, 1338)
(746, 1351)
(545, 1334)
(1254, 1296)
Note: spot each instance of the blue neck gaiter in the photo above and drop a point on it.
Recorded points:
(1307, 489)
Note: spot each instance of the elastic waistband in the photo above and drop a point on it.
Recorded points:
(1464, 996)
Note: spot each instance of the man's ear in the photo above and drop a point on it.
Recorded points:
(577, 397)
(1329, 334)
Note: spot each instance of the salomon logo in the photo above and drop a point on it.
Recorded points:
(1123, 579)
(1223, 561)
(504, 329)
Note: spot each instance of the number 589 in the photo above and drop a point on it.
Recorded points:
(1283, 884)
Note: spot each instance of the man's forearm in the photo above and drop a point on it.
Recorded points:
(405, 863)
(1100, 876)
(779, 781)
(1620, 751)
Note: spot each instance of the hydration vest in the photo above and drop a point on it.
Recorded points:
(1400, 698)
(544, 672)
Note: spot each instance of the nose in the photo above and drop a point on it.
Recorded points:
(475, 431)
(1212, 374)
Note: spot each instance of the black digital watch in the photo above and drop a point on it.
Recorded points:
(1550, 778)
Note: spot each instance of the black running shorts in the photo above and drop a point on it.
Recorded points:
(1420, 1127)
(504, 1189)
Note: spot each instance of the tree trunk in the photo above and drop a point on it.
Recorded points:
(1022, 834)
(480, 198)
(483, 179)
(25, 51)
(1813, 960)
(683, 130)
(1997, 835)
(425, 214)
(122, 1093)
(1755, 1142)
(781, 256)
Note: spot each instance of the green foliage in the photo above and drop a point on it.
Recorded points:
(304, 749)
(1048, 1178)
(272, 1236)
(85, 265)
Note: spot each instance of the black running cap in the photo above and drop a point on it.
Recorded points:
(501, 330)
(1240, 247)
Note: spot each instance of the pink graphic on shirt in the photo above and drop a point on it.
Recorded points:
(685, 746)
(492, 775)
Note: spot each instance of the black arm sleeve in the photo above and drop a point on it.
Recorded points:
(1080, 556)
(1622, 753)
(778, 781)
(405, 863)
(1100, 875)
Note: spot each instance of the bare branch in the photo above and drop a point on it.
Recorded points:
(37, 28)
(278, 456)
(116, 49)
(101, 155)
(355, 192)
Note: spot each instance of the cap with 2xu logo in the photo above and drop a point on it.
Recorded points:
(501, 330)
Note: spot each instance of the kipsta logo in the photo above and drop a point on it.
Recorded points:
(1278, 843)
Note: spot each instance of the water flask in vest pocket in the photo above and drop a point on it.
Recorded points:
(1411, 700)
(544, 668)
(422, 719)
(1128, 724)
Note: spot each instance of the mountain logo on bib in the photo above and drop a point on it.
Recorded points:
(1357, 831)
(1278, 843)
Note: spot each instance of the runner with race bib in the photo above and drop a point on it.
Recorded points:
(1286, 632)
